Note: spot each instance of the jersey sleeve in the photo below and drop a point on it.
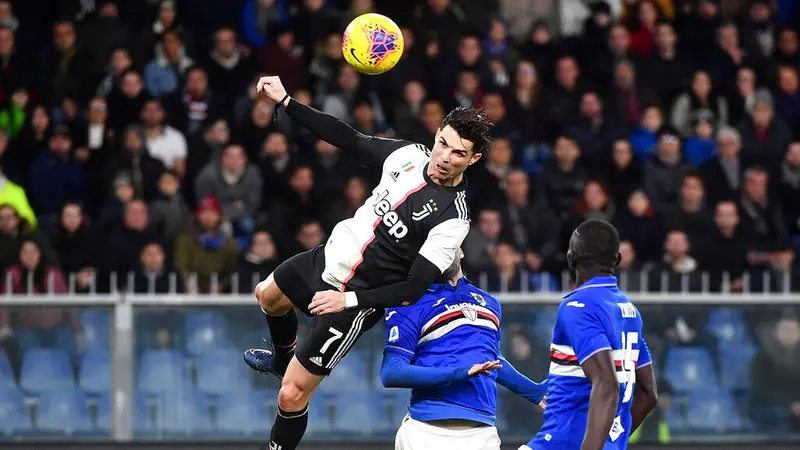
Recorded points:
(402, 331)
(644, 355)
(445, 238)
(584, 328)
(372, 150)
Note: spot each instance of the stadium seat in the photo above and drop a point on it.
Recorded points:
(222, 370)
(320, 411)
(182, 412)
(205, 330)
(713, 410)
(391, 407)
(353, 413)
(64, 411)
(143, 422)
(162, 371)
(242, 412)
(728, 326)
(734, 369)
(96, 324)
(14, 414)
(103, 416)
(46, 369)
(349, 375)
(689, 369)
(94, 375)
(544, 324)
(6, 374)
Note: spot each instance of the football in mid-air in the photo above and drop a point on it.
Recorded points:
(372, 43)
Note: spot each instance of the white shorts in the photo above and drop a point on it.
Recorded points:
(416, 435)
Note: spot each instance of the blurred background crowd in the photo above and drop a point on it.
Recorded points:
(136, 155)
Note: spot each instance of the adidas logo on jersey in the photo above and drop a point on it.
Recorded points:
(391, 219)
(394, 175)
(316, 360)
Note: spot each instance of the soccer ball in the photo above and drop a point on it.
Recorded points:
(372, 43)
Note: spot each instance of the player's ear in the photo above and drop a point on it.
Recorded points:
(619, 259)
(571, 259)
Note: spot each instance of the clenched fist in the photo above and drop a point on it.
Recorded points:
(273, 89)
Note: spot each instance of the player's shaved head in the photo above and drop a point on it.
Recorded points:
(593, 249)
(452, 273)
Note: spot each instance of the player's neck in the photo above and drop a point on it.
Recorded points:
(585, 275)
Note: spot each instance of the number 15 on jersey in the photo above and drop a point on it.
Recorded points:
(629, 357)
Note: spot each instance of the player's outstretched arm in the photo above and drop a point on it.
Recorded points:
(374, 150)
(510, 378)
(645, 395)
(398, 372)
(599, 369)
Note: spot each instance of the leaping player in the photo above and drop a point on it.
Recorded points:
(601, 382)
(431, 347)
(398, 243)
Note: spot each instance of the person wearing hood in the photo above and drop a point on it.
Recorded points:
(205, 253)
(664, 172)
(236, 184)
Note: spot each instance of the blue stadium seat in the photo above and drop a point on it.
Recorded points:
(64, 411)
(689, 369)
(353, 413)
(182, 412)
(319, 418)
(734, 369)
(222, 370)
(349, 375)
(46, 369)
(103, 418)
(6, 374)
(162, 371)
(96, 325)
(242, 412)
(728, 325)
(14, 415)
(143, 422)
(392, 406)
(205, 330)
(544, 324)
(713, 410)
(94, 375)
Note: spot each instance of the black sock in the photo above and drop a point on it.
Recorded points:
(283, 330)
(288, 429)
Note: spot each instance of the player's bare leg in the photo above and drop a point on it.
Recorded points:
(296, 389)
(282, 321)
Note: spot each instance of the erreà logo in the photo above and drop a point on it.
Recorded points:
(390, 218)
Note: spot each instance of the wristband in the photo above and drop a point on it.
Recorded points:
(278, 105)
(350, 300)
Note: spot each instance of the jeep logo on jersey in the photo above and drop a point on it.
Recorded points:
(383, 209)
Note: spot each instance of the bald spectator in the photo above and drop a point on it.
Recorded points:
(128, 239)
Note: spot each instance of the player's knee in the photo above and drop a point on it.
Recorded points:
(292, 396)
(268, 295)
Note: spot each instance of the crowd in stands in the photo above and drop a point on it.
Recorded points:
(133, 143)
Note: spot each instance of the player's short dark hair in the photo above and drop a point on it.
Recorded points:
(450, 272)
(471, 124)
(597, 245)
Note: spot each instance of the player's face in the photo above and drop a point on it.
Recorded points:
(451, 155)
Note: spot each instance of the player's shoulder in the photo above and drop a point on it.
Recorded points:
(414, 311)
(408, 154)
(482, 297)
(452, 204)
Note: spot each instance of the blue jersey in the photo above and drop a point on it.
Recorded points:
(596, 316)
(450, 327)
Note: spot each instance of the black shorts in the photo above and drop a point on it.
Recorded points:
(332, 335)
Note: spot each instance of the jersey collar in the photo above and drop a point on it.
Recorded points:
(596, 282)
(461, 282)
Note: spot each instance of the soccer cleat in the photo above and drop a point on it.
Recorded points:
(262, 361)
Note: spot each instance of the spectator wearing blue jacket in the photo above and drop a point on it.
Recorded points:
(644, 137)
(166, 71)
(258, 16)
(701, 146)
(55, 176)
